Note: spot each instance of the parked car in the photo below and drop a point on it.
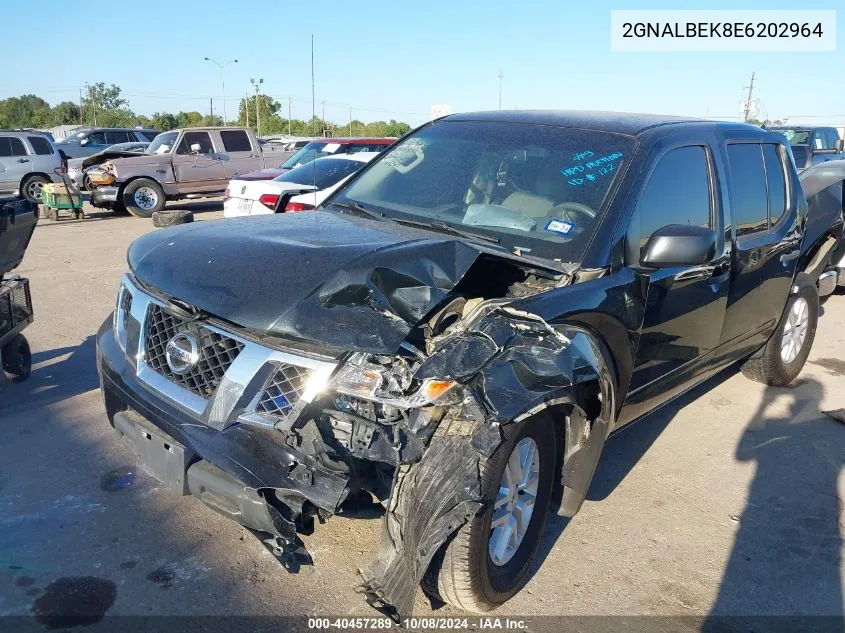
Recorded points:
(28, 161)
(458, 329)
(87, 141)
(179, 163)
(317, 149)
(300, 189)
(812, 145)
(76, 166)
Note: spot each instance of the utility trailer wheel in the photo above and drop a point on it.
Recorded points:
(17, 358)
(172, 218)
(489, 559)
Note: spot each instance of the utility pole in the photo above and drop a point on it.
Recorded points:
(246, 108)
(94, 103)
(211, 107)
(748, 101)
(501, 76)
(313, 111)
(256, 85)
(222, 68)
(289, 115)
(323, 124)
(80, 107)
(350, 120)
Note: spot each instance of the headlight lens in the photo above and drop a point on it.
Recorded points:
(122, 306)
(362, 378)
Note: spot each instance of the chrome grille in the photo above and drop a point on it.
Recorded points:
(217, 352)
(284, 391)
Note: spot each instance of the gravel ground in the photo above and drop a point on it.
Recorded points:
(732, 509)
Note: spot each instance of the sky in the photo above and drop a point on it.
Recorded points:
(396, 59)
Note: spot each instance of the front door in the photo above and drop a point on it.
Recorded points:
(764, 210)
(201, 170)
(685, 306)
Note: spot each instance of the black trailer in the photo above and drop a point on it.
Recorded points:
(17, 223)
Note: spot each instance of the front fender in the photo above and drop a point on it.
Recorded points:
(522, 366)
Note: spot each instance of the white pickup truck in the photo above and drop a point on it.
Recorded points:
(178, 164)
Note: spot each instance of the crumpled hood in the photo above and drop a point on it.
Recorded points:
(339, 281)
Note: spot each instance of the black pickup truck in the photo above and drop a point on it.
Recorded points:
(457, 331)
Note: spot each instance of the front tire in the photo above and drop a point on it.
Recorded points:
(143, 197)
(32, 188)
(489, 559)
(787, 350)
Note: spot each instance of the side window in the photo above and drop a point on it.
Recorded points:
(96, 138)
(832, 137)
(118, 136)
(195, 138)
(748, 188)
(11, 146)
(775, 181)
(677, 192)
(41, 145)
(235, 141)
(145, 136)
(821, 140)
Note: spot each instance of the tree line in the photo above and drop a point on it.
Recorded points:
(103, 106)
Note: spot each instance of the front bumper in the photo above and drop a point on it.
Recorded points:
(257, 457)
(104, 196)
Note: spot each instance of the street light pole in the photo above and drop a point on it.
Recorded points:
(222, 79)
(256, 85)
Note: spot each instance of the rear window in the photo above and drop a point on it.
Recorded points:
(312, 151)
(321, 173)
(145, 134)
(235, 141)
(775, 181)
(748, 188)
(41, 145)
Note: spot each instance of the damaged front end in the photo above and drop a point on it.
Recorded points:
(274, 437)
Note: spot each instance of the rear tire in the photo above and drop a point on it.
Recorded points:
(787, 350)
(463, 573)
(143, 197)
(17, 358)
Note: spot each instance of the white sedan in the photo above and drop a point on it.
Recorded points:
(300, 189)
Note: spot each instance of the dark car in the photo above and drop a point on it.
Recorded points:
(318, 149)
(456, 332)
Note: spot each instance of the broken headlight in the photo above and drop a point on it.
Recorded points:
(390, 381)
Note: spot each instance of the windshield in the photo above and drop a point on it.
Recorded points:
(315, 149)
(795, 137)
(539, 189)
(321, 173)
(163, 143)
(73, 137)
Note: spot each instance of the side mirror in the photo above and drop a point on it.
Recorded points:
(839, 145)
(196, 148)
(679, 245)
(83, 141)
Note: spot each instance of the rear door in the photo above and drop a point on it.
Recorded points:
(200, 171)
(240, 157)
(767, 236)
(15, 162)
(685, 306)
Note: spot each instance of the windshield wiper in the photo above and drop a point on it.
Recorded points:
(448, 228)
(357, 207)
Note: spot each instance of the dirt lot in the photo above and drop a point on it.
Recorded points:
(726, 502)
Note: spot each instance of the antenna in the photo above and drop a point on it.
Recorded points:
(501, 76)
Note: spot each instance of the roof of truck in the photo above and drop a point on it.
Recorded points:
(619, 122)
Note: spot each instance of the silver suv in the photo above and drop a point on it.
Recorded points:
(87, 141)
(28, 160)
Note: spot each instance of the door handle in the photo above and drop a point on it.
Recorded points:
(23, 160)
(786, 258)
